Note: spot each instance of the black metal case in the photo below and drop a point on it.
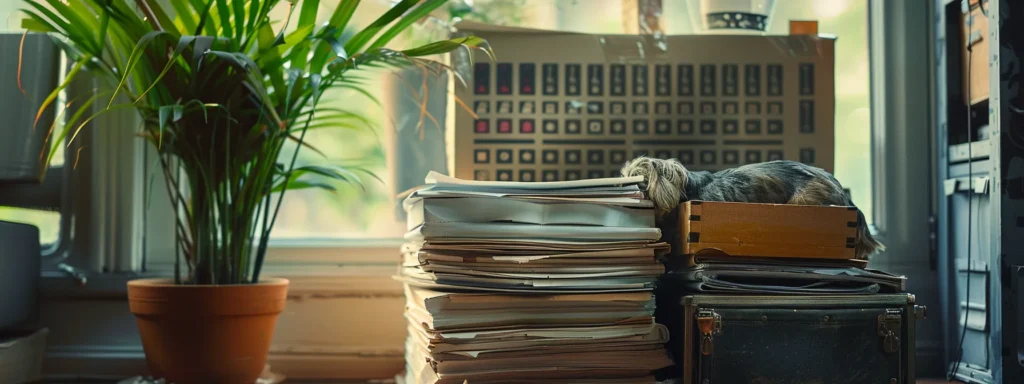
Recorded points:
(799, 339)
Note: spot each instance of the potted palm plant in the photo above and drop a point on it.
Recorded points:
(226, 96)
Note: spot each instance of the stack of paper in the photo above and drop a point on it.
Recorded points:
(784, 276)
(532, 282)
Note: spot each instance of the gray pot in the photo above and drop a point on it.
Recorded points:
(20, 143)
(20, 259)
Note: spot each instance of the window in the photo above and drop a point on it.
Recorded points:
(383, 148)
(366, 212)
(38, 205)
(847, 20)
(47, 221)
(399, 149)
(375, 214)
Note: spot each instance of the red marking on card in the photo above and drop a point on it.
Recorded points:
(481, 89)
(504, 127)
(527, 127)
(504, 88)
(481, 127)
(527, 89)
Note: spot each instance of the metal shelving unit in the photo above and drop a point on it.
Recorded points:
(980, 208)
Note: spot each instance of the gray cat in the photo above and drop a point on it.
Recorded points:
(668, 183)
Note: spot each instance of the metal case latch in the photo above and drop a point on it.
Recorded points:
(709, 323)
(920, 312)
(889, 329)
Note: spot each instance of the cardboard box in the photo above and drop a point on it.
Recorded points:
(768, 230)
(974, 25)
(564, 106)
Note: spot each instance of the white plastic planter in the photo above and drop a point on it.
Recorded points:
(733, 16)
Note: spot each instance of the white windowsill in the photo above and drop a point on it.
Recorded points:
(322, 336)
(311, 265)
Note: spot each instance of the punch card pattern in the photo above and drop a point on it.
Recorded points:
(580, 106)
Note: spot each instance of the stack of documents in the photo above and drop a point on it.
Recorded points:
(532, 282)
(739, 275)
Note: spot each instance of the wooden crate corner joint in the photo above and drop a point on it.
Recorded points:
(768, 230)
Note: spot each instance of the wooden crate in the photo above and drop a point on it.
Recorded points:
(768, 230)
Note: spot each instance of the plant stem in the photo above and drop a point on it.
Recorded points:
(284, 188)
(144, 6)
(174, 192)
(177, 260)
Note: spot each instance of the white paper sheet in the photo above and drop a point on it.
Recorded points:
(440, 179)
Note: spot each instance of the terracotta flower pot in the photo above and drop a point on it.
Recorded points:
(206, 333)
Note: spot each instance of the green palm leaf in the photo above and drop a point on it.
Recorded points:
(227, 97)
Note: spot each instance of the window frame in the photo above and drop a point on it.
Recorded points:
(312, 255)
(362, 267)
(293, 255)
(51, 195)
(890, 137)
(903, 56)
(96, 193)
(879, 113)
